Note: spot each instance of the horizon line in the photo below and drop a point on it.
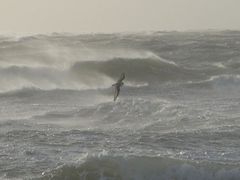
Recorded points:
(114, 32)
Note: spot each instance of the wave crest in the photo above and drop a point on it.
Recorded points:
(223, 81)
(137, 70)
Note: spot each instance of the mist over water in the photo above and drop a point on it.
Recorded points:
(177, 116)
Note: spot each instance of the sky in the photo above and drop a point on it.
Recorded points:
(87, 16)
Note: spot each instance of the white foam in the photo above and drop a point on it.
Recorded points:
(219, 64)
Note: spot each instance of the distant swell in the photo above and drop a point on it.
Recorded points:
(144, 168)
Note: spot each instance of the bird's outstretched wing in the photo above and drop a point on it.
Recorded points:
(122, 77)
(116, 93)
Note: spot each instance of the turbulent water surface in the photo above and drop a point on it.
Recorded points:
(177, 116)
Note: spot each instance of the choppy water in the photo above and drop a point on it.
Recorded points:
(177, 116)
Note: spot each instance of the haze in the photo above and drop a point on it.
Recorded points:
(86, 16)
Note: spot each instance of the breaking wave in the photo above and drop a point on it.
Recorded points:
(91, 74)
(226, 79)
(138, 70)
(223, 81)
(60, 61)
(75, 62)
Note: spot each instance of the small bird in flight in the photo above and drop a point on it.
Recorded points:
(118, 85)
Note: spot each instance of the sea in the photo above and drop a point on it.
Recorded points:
(177, 116)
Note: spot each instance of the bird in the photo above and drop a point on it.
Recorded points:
(118, 85)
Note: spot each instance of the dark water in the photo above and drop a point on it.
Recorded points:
(177, 116)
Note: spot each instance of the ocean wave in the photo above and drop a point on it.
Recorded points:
(62, 51)
(223, 80)
(226, 79)
(93, 74)
(143, 168)
(20, 78)
(77, 62)
(137, 70)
